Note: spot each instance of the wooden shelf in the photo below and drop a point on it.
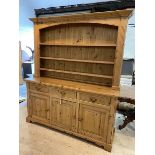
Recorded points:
(76, 60)
(77, 73)
(81, 45)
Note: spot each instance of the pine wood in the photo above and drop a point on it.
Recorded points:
(119, 52)
(79, 53)
(39, 104)
(77, 86)
(76, 45)
(78, 61)
(36, 51)
(76, 73)
(75, 60)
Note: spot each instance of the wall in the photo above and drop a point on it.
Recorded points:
(129, 48)
(25, 25)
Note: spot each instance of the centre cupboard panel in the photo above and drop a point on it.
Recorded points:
(63, 113)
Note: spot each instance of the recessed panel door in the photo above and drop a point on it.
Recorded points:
(40, 107)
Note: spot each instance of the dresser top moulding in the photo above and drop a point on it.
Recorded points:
(84, 16)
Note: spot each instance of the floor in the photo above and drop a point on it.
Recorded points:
(36, 139)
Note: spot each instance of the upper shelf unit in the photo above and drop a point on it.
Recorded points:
(82, 52)
(85, 47)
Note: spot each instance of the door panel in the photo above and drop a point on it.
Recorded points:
(93, 121)
(40, 107)
(63, 113)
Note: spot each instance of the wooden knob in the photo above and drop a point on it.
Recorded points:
(38, 88)
(80, 119)
(92, 99)
(63, 93)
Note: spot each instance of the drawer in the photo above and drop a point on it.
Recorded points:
(63, 93)
(94, 98)
(39, 88)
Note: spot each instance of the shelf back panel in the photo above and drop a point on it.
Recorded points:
(78, 78)
(79, 53)
(79, 34)
(81, 67)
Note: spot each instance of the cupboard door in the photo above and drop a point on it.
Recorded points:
(63, 113)
(40, 107)
(93, 121)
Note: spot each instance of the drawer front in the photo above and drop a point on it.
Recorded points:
(39, 88)
(63, 93)
(95, 98)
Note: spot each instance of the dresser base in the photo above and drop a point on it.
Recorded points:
(86, 111)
